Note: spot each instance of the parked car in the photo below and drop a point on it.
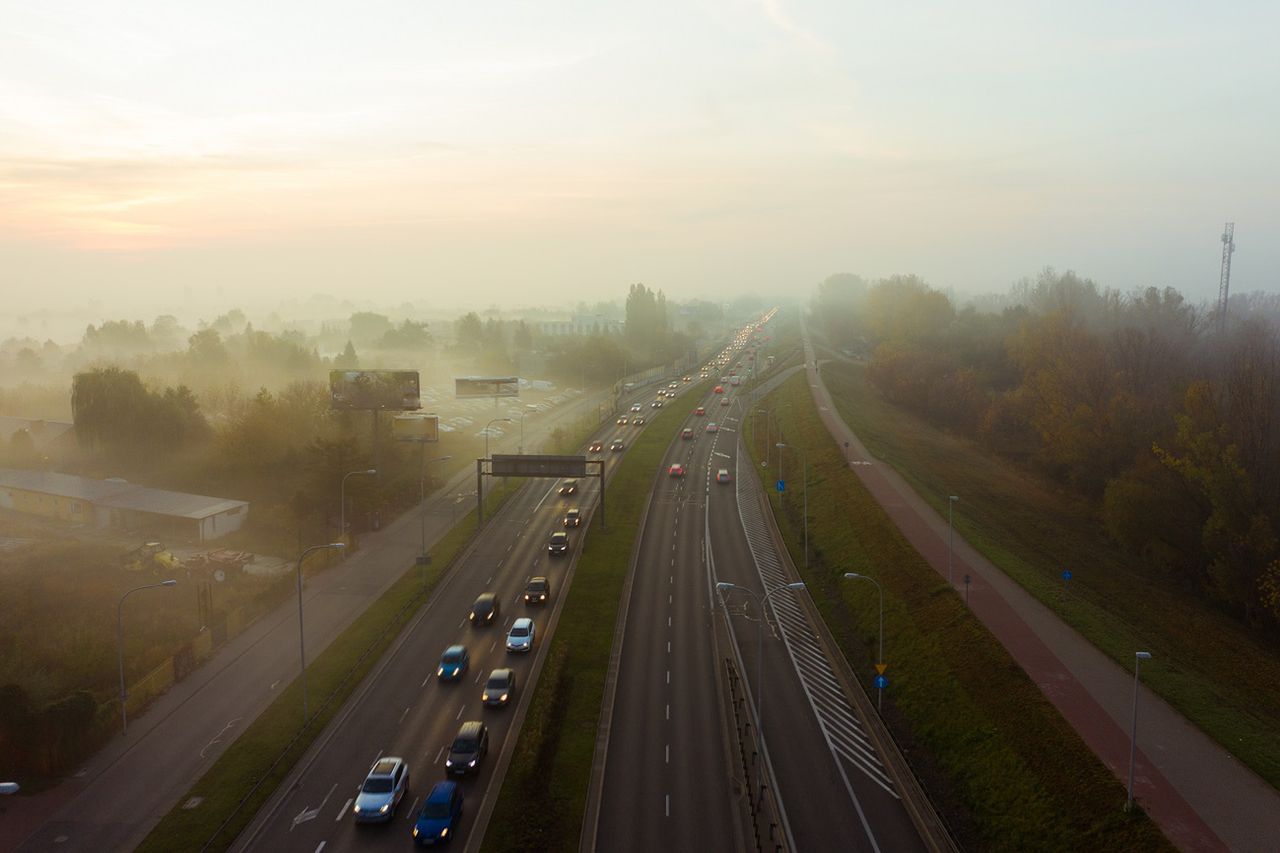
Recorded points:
(468, 748)
(500, 689)
(453, 663)
(382, 790)
(520, 637)
(438, 818)
(722, 476)
(537, 590)
(485, 610)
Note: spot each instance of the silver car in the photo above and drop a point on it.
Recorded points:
(382, 790)
(521, 637)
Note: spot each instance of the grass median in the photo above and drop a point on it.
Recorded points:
(1205, 664)
(1001, 765)
(544, 794)
(245, 776)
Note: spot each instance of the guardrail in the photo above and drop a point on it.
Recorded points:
(762, 801)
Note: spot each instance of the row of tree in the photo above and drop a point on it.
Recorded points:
(1168, 420)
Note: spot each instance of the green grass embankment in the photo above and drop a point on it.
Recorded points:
(1005, 770)
(272, 744)
(1205, 664)
(544, 794)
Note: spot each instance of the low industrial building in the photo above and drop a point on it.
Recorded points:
(120, 505)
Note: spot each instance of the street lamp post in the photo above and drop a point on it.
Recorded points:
(951, 534)
(302, 647)
(855, 576)
(422, 498)
(724, 586)
(1138, 657)
(804, 462)
(523, 412)
(342, 498)
(486, 432)
(124, 712)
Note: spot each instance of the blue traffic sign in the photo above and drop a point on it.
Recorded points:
(881, 682)
(782, 485)
(1066, 576)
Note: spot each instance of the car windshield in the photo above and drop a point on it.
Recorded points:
(497, 682)
(519, 631)
(377, 785)
(463, 745)
(436, 811)
(537, 586)
(453, 656)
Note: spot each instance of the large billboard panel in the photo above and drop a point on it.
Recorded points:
(486, 386)
(502, 465)
(395, 390)
(416, 428)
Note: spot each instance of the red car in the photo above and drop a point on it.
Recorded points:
(719, 389)
(699, 411)
(676, 470)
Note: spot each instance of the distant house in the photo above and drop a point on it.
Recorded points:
(47, 437)
(120, 504)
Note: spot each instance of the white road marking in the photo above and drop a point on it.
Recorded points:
(668, 621)
(405, 714)
(220, 734)
(438, 754)
(668, 652)
(668, 711)
(320, 846)
(460, 710)
(667, 751)
(668, 676)
(668, 805)
(342, 811)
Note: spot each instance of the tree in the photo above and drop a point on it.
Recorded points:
(348, 360)
(368, 327)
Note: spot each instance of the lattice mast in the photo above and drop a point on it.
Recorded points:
(1224, 283)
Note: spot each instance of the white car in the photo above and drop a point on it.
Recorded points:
(520, 639)
(635, 407)
(382, 790)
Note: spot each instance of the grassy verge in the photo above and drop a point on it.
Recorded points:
(1006, 771)
(544, 795)
(267, 750)
(1206, 665)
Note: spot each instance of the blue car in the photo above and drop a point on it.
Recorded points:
(452, 663)
(441, 811)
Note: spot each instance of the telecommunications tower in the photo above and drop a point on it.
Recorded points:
(1224, 284)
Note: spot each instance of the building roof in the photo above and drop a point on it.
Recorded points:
(42, 432)
(116, 494)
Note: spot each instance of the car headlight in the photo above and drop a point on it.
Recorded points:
(472, 617)
(542, 597)
(471, 763)
(356, 808)
(415, 832)
(504, 697)
(484, 698)
(440, 671)
(444, 831)
(448, 762)
(385, 808)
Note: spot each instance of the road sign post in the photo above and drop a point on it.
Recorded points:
(782, 486)
(966, 590)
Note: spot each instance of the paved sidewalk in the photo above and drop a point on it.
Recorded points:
(123, 790)
(1200, 796)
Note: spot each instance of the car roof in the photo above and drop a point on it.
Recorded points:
(453, 650)
(503, 673)
(485, 596)
(471, 728)
(386, 765)
(442, 792)
(537, 579)
(522, 622)
(723, 471)
(573, 510)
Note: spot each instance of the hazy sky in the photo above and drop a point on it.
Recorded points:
(174, 153)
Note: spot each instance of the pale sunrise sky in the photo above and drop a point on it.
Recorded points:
(544, 152)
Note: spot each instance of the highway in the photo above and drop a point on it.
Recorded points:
(402, 709)
(668, 781)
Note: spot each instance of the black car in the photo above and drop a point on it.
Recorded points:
(559, 543)
(537, 591)
(485, 610)
(468, 748)
(500, 688)
(568, 487)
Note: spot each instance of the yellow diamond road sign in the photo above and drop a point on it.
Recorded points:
(881, 667)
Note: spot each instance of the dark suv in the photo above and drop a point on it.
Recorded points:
(485, 610)
(468, 748)
(537, 591)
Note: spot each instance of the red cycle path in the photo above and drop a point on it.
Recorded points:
(1200, 796)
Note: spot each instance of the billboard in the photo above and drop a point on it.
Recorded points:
(486, 386)
(396, 390)
(503, 465)
(416, 428)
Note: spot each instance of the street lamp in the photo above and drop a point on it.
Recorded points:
(124, 712)
(342, 498)
(1138, 657)
(486, 432)
(302, 648)
(853, 576)
(804, 462)
(724, 586)
(951, 533)
(422, 497)
(525, 411)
